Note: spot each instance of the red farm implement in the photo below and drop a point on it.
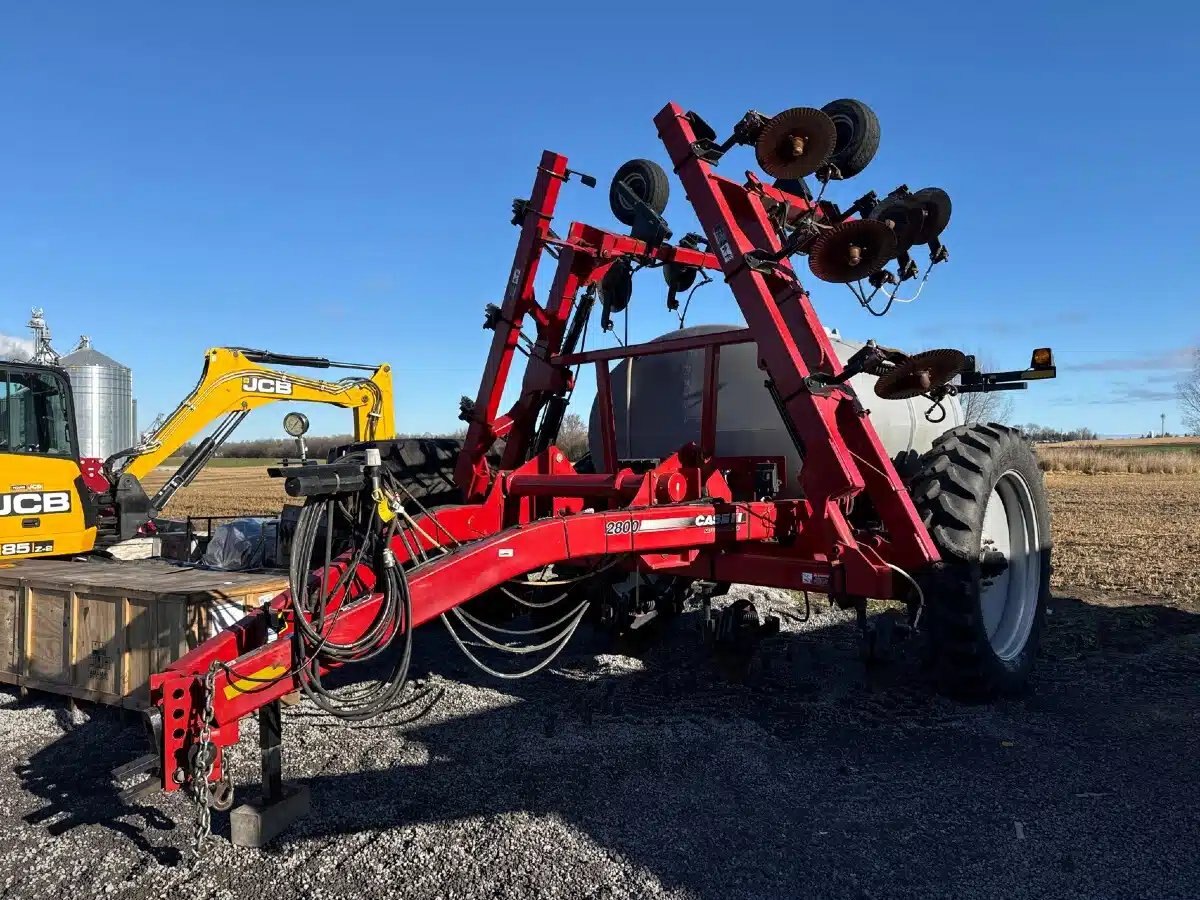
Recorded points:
(963, 542)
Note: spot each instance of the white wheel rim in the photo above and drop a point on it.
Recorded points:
(1009, 601)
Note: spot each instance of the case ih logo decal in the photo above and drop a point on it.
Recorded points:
(32, 504)
(719, 520)
(26, 548)
(258, 384)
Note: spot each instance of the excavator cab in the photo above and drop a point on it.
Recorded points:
(45, 508)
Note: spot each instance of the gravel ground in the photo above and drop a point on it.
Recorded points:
(667, 774)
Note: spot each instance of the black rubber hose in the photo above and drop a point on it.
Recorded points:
(393, 620)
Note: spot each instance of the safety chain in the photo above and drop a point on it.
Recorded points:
(203, 764)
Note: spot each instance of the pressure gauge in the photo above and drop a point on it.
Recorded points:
(295, 424)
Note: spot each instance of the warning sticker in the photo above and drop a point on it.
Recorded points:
(724, 247)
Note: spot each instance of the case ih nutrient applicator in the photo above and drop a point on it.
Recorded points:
(523, 547)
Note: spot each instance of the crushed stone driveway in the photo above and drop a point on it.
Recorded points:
(661, 772)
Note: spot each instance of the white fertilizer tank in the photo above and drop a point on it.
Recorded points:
(666, 397)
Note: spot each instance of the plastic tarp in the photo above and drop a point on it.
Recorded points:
(249, 543)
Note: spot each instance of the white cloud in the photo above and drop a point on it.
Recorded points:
(15, 347)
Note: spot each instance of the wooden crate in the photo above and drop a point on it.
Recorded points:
(97, 630)
(10, 624)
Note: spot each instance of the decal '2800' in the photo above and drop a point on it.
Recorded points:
(704, 520)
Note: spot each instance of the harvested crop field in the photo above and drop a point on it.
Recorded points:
(223, 491)
(1136, 534)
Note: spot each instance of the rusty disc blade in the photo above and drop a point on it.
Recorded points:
(920, 374)
(851, 251)
(796, 142)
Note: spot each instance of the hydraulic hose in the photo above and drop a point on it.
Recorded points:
(310, 597)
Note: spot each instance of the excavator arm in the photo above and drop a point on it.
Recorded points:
(236, 380)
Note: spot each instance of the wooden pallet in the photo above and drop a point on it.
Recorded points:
(97, 629)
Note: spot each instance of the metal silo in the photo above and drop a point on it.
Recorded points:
(103, 390)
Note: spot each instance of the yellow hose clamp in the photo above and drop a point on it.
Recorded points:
(383, 506)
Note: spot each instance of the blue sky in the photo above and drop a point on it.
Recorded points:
(335, 179)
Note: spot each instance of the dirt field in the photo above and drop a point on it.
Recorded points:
(1135, 534)
(224, 491)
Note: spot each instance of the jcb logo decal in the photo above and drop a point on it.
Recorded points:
(258, 384)
(35, 504)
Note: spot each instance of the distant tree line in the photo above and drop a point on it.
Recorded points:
(1044, 433)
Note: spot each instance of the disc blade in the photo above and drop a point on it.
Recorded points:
(920, 374)
(795, 143)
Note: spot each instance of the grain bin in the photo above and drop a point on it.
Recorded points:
(665, 406)
(103, 390)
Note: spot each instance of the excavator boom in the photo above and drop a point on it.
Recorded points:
(236, 381)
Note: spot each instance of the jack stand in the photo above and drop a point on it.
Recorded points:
(256, 823)
(736, 628)
(875, 636)
(880, 637)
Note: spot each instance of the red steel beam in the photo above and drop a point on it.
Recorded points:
(608, 433)
(435, 587)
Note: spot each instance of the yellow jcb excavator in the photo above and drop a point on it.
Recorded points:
(53, 503)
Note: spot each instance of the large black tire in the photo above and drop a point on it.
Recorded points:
(649, 183)
(984, 624)
(424, 466)
(857, 135)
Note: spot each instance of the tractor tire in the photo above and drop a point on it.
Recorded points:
(857, 135)
(649, 183)
(980, 492)
(424, 466)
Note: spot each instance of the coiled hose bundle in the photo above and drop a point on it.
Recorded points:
(324, 586)
(314, 624)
